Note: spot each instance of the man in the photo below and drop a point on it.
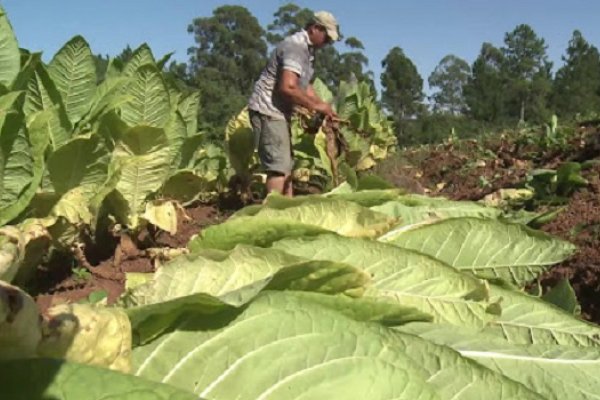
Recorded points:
(284, 84)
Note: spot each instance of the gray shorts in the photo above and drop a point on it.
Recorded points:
(273, 139)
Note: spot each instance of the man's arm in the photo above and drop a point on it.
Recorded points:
(289, 87)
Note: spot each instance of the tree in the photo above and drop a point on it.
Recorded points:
(289, 19)
(354, 63)
(331, 65)
(528, 70)
(577, 82)
(229, 56)
(450, 77)
(485, 93)
(402, 93)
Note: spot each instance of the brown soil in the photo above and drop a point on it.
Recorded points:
(580, 224)
(58, 283)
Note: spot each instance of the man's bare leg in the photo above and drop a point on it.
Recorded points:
(281, 184)
(288, 187)
(275, 183)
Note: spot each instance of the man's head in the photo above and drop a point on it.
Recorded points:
(323, 29)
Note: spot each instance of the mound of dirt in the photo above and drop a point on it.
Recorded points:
(580, 224)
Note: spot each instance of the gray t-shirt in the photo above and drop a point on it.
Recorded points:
(294, 53)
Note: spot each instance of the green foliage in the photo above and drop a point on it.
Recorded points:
(402, 85)
(369, 133)
(554, 186)
(577, 82)
(549, 137)
(81, 274)
(563, 295)
(228, 57)
(528, 72)
(432, 128)
(82, 153)
(484, 93)
(61, 380)
(10, 59)
(450, 77)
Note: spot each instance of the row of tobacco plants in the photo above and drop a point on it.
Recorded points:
(365, 292)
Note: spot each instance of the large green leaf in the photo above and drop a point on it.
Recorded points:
(406, 276)
(485, 247)
(555, 372)
(42, 95)
(251, 230)
(15, 153)
(143, 157)
(30, 62)
(21, 159)
(176, 132)
(59, 380)
(234, 278)
(74, 72)
(185, 186)
(20, 329)
(149, 104)
(366, 198)
(188, 108)
(10, 58)
(410, 215)
(82, 161)
(220, 273)
(298, 346)
(140, 57)
(345, 218)
(369, 198)
(528, 320)
(306, 218)
(109, 96)
(563, 296)
(92, 335)
(239, 140)
(78, 170)
(112, 128)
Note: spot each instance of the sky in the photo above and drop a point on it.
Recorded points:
(427, 30)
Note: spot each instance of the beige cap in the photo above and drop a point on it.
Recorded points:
(328, 21)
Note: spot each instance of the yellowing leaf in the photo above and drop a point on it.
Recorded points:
(162, 215)
(89, 335)
(20, 330)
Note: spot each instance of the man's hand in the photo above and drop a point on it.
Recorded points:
(325, 108)
(289, 87)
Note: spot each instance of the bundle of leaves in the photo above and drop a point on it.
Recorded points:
(371, 294)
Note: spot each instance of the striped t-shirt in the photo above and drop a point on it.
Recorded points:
(294, 53)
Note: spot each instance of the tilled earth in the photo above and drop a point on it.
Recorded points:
(58, 284)
(580, 223)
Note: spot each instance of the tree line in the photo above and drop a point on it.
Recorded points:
(504, 85)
